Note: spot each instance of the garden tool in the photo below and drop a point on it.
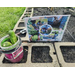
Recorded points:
(22, 31)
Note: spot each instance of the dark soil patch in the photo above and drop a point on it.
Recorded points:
(68, 53)
(24, 59)
(39, 11)
(70, 27)
(67, 37)
(21, 24)
(40, 54)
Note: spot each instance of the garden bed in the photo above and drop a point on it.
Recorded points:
(40, 54)
(68, 53)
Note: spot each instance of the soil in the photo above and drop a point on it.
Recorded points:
(39, 11)
(21, 24)
(71, 28)
(68, 53)
(40, 54)
(24, 59)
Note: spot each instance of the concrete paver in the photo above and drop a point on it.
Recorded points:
(29, 63)
(59, 53)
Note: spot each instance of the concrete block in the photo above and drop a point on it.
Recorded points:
(61, 58)
(21, 24)
(29, 63)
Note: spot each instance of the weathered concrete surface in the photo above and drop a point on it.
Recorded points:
(60, 56)
(29, 63)
(26, 38)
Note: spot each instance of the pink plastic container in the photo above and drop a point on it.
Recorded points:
(12, 53)
(15, 56)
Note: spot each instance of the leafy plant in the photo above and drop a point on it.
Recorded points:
(8, 18)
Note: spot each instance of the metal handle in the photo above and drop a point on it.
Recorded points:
(22, 31)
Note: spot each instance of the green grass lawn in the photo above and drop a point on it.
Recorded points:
(8, 18)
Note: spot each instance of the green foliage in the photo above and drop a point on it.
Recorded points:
(7, 44)
(13, 37)
(33, 32)
(8, 18)
(34, 38)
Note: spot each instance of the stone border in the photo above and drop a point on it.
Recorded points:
(29, 63)
(26, 38)
(60, 56)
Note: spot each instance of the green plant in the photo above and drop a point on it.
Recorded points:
(13, 37)
(8, 18)
(6, 44)
(34, 38)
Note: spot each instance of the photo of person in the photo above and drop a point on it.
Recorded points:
(40, 23)
(57, 21)
(45, 29)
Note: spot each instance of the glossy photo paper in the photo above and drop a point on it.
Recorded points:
(46, 28)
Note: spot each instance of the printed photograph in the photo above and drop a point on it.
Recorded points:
(46, 28)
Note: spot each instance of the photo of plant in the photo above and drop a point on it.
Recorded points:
(46, 28)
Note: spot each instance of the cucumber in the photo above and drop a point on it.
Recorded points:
(13, 37)
(4, 40)
(7, 44)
